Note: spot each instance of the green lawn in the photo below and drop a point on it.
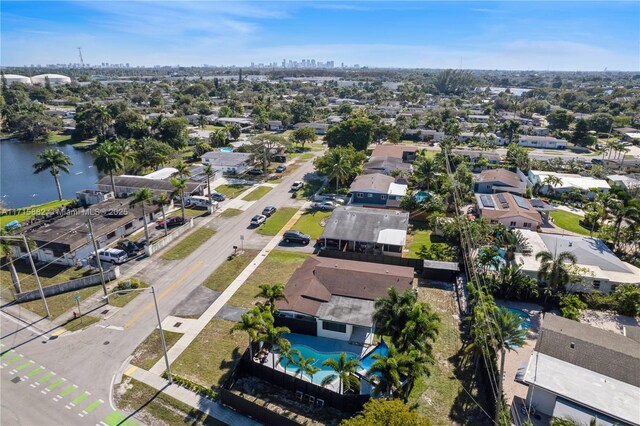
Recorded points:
(212, 356)
(24, 213)
(275, 223)
(150, 350)
(213, 128)
(257, 193)
(568, 221)
(52, 274)
(155, 407)
(220, 279)
(61, 303)
(277, 268)
(421, 236)
(57, 138)
(309, 223)
(230, 213)
(441, 396)
(80, 323)
(306, 156)
(309, 189)
(121, 300)
(185, 247)
(233, 190)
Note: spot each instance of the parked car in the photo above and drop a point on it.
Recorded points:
(268, 211)
(255, 172)
(115, 256)
(279, 158)
(131, 248)
(326, 205)
(334, 200)
(297, 185)
(281, 168)
(172, 221)
(596, 161)
(216, 196)
(293, 236)
(258, 220)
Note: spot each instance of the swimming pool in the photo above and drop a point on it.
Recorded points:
(320, 357)
(526, 323)
(367, 361)
(226, 149)
(421, 196)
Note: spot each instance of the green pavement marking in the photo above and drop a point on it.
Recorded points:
(68, 390)
(6, 353)
(43, 379)
(14, 359)
(93, 406)
(55, 385)
(34, 372)
(118, 419)
(25, 365)
(81, 398)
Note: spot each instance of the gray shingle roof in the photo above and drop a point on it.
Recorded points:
(362, 224)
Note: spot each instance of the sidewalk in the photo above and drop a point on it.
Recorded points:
(205, 405)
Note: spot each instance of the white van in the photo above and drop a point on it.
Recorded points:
(115, 256)
(200, 201)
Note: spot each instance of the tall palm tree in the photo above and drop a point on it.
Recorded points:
(414, 364)
(488, 259)
(341, 167)
(509, 336)
(183, 169)
(208, 172)
(421, 327)
(552, 182)
(102, 119)
(272, 293)
(253, 322)
(385, 373)
(302, 364)
(392, 311)
(343, 368)
(273, 336)
(109, 159)
(424, 169)
(290, 356)
(163, 200)
(143, 196)
(553, 269)
(55, 161)
(621, 214)
(6, 251)
(219, 137)
(180, 184)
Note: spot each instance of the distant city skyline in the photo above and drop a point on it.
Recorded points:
(562, 36)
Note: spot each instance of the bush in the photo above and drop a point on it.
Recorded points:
(627, 298)
(133, 283)
(599, 301)
(571, 307)
(188, 384)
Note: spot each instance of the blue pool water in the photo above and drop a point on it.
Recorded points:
(421, 196)
(226, 149)
(526, 324)
(367, 361)
(320, 357)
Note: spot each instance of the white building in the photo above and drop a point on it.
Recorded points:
(544, 142)
(52, 78)
(15, 78)
(228, 162)
(569, 181)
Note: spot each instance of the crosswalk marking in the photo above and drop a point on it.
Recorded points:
(11, 361)
(33, 373)
(22, 367)
(45, 378)
(93, 406)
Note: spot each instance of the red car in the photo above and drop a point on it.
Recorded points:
(172, 221)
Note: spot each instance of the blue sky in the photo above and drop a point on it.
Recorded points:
(540, 35)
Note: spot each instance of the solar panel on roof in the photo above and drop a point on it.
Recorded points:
(537, 204)
(521, 202)
(503, 201)
(487, 201)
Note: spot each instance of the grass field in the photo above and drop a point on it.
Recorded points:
(185, 247)
(277, 268)
(257, 193)
(61, 303)
(309, 189)
(441, 396)
(80, 323)
(568, 221)
(220, 279)
(309, 223)
(24, 213)
(150, 350)
(274, 224)
(57, 138)
(306, 156)
(231, 191)
(211, 357)
(121, 300)
(230, 213)
(156, 408)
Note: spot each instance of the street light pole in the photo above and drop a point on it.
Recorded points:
(35, 273)
(98, 262)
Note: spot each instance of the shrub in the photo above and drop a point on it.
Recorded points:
(132, 283)
(627, 298)
(188, 384)
(571, 306)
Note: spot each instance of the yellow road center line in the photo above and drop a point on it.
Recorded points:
(164, 293)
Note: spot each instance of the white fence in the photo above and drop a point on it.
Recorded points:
(165, 241)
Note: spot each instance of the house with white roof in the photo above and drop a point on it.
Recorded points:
(628, 183)
(376, 190)
(604, 269)
(569, 182)
(544, 142)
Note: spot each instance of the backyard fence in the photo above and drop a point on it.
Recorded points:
(165, 241)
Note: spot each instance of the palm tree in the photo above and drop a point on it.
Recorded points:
(102, 120)
(554, 270)
(163, 200)
(253, 323)
(208, 172)
(272, 293)
(202, 121)
(143, 196)
(182, 169)
(421, 328)
(219, 137)
(509, 335)
(55, 161)
(415, 364)
(488, 258)
(622, 213)
(289, 355)
(302, 365)
(340, 165)
(6, 251)
(343, 368)
(109, 159)
(552, 182)
(180, 184)
(385, 373)
(424, 169)
(392, 311)
(273, 336)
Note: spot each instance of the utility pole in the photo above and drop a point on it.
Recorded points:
(98, 262)
(35, 274)
(80, 53)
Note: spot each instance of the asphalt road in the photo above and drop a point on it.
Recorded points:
(90, 359)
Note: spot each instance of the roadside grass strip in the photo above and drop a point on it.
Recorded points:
(78, 400)
(117, 419)
(33, 372)
(53, 386)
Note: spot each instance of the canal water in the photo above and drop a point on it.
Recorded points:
(19, 187)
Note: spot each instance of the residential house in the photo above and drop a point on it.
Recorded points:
(543, 142)
(319, 128)
(628, 183)
(510, 210)
(228, 162)
(478, 118)
(335, 298)
(127, 185)
(500, 180)
(474, 155)
(387, 165)
(569, 182)
(424, 134)
(276, 125)
(405, 153)
(584, 373)
(604, 270)
(65, 240)
(244, 123)
(376, 190)
(366, 230)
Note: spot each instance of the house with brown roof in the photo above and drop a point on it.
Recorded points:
(500, 180)
(406, 153)
(510, 210)
(376, 190)
(582, 372)
(335, 298)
